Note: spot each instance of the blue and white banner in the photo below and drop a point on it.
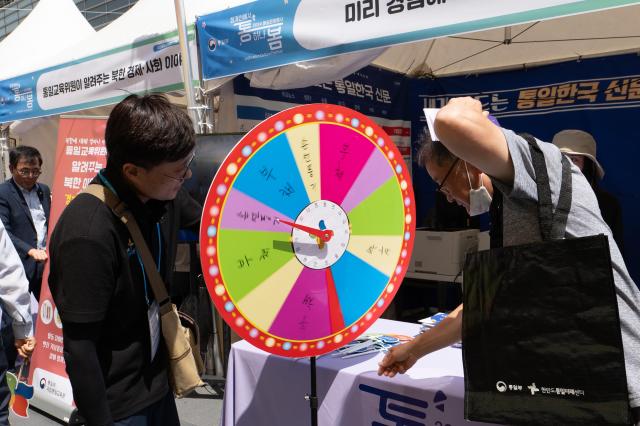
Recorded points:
(103, 79)
(379, 94)
(270, 33)
(600, 96)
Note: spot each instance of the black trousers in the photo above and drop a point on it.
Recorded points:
(162, 413)
(8, 339)
(5, 394)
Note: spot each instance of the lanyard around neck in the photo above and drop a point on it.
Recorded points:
(144, 274)
(108, 184)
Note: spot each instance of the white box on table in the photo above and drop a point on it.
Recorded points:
(442, 252)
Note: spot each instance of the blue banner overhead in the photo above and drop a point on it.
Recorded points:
(270, 33)
(149, 65)
(600, 96)
(372, 91)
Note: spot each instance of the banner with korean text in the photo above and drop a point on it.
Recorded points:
(80, 154)
(270, 33)
(104, 79)
(380, 94)
(600, 96)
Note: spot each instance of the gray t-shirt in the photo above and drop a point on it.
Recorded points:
(520, 226)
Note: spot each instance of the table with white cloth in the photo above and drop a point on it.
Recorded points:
(265, 389)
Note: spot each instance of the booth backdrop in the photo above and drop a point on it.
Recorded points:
(600, 96)
(380, 94)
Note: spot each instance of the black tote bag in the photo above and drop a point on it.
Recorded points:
(541, 332)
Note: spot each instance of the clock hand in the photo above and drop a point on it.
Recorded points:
(324, 235)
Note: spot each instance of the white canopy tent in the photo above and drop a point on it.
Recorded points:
(23, 50)
(147, 19)
(46, 33)
(145, 29)
(602, 33)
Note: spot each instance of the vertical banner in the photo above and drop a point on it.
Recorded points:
(80, 154)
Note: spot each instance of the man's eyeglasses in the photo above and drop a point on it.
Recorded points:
(29, 172)
(447, 175)
(186, 170)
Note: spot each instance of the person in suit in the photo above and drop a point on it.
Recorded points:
(24, 210)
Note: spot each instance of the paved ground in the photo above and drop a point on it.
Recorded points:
(202, 408)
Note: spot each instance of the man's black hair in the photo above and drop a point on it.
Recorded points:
(433, 151)
(23, 152)
(146, 131)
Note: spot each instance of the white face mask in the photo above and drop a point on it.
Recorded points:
(479, 199)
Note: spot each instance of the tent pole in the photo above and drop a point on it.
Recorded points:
(187, 76)
(4, 152)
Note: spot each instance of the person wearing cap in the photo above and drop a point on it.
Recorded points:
(580, 146)
(477, 162)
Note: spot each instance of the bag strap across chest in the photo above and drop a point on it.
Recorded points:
(120, 209)
(552, 223)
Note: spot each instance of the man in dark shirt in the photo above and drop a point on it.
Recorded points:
(115, 355)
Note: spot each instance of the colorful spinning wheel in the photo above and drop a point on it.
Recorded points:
(307, 230)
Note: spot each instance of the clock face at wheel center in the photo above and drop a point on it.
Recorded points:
(309, 250)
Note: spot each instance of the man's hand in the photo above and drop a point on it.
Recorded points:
(398, 360)
(26, 346)
(38, 255)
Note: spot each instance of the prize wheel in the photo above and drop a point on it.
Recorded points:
(307, 230)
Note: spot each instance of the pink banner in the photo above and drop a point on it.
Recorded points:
(80, 154)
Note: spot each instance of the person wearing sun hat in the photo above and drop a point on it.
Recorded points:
(580, 146)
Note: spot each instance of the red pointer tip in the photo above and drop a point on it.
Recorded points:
(324, 235)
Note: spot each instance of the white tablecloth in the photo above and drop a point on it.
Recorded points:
(264, 389)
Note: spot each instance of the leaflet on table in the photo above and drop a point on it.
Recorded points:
(433, 319)
(370, 343)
